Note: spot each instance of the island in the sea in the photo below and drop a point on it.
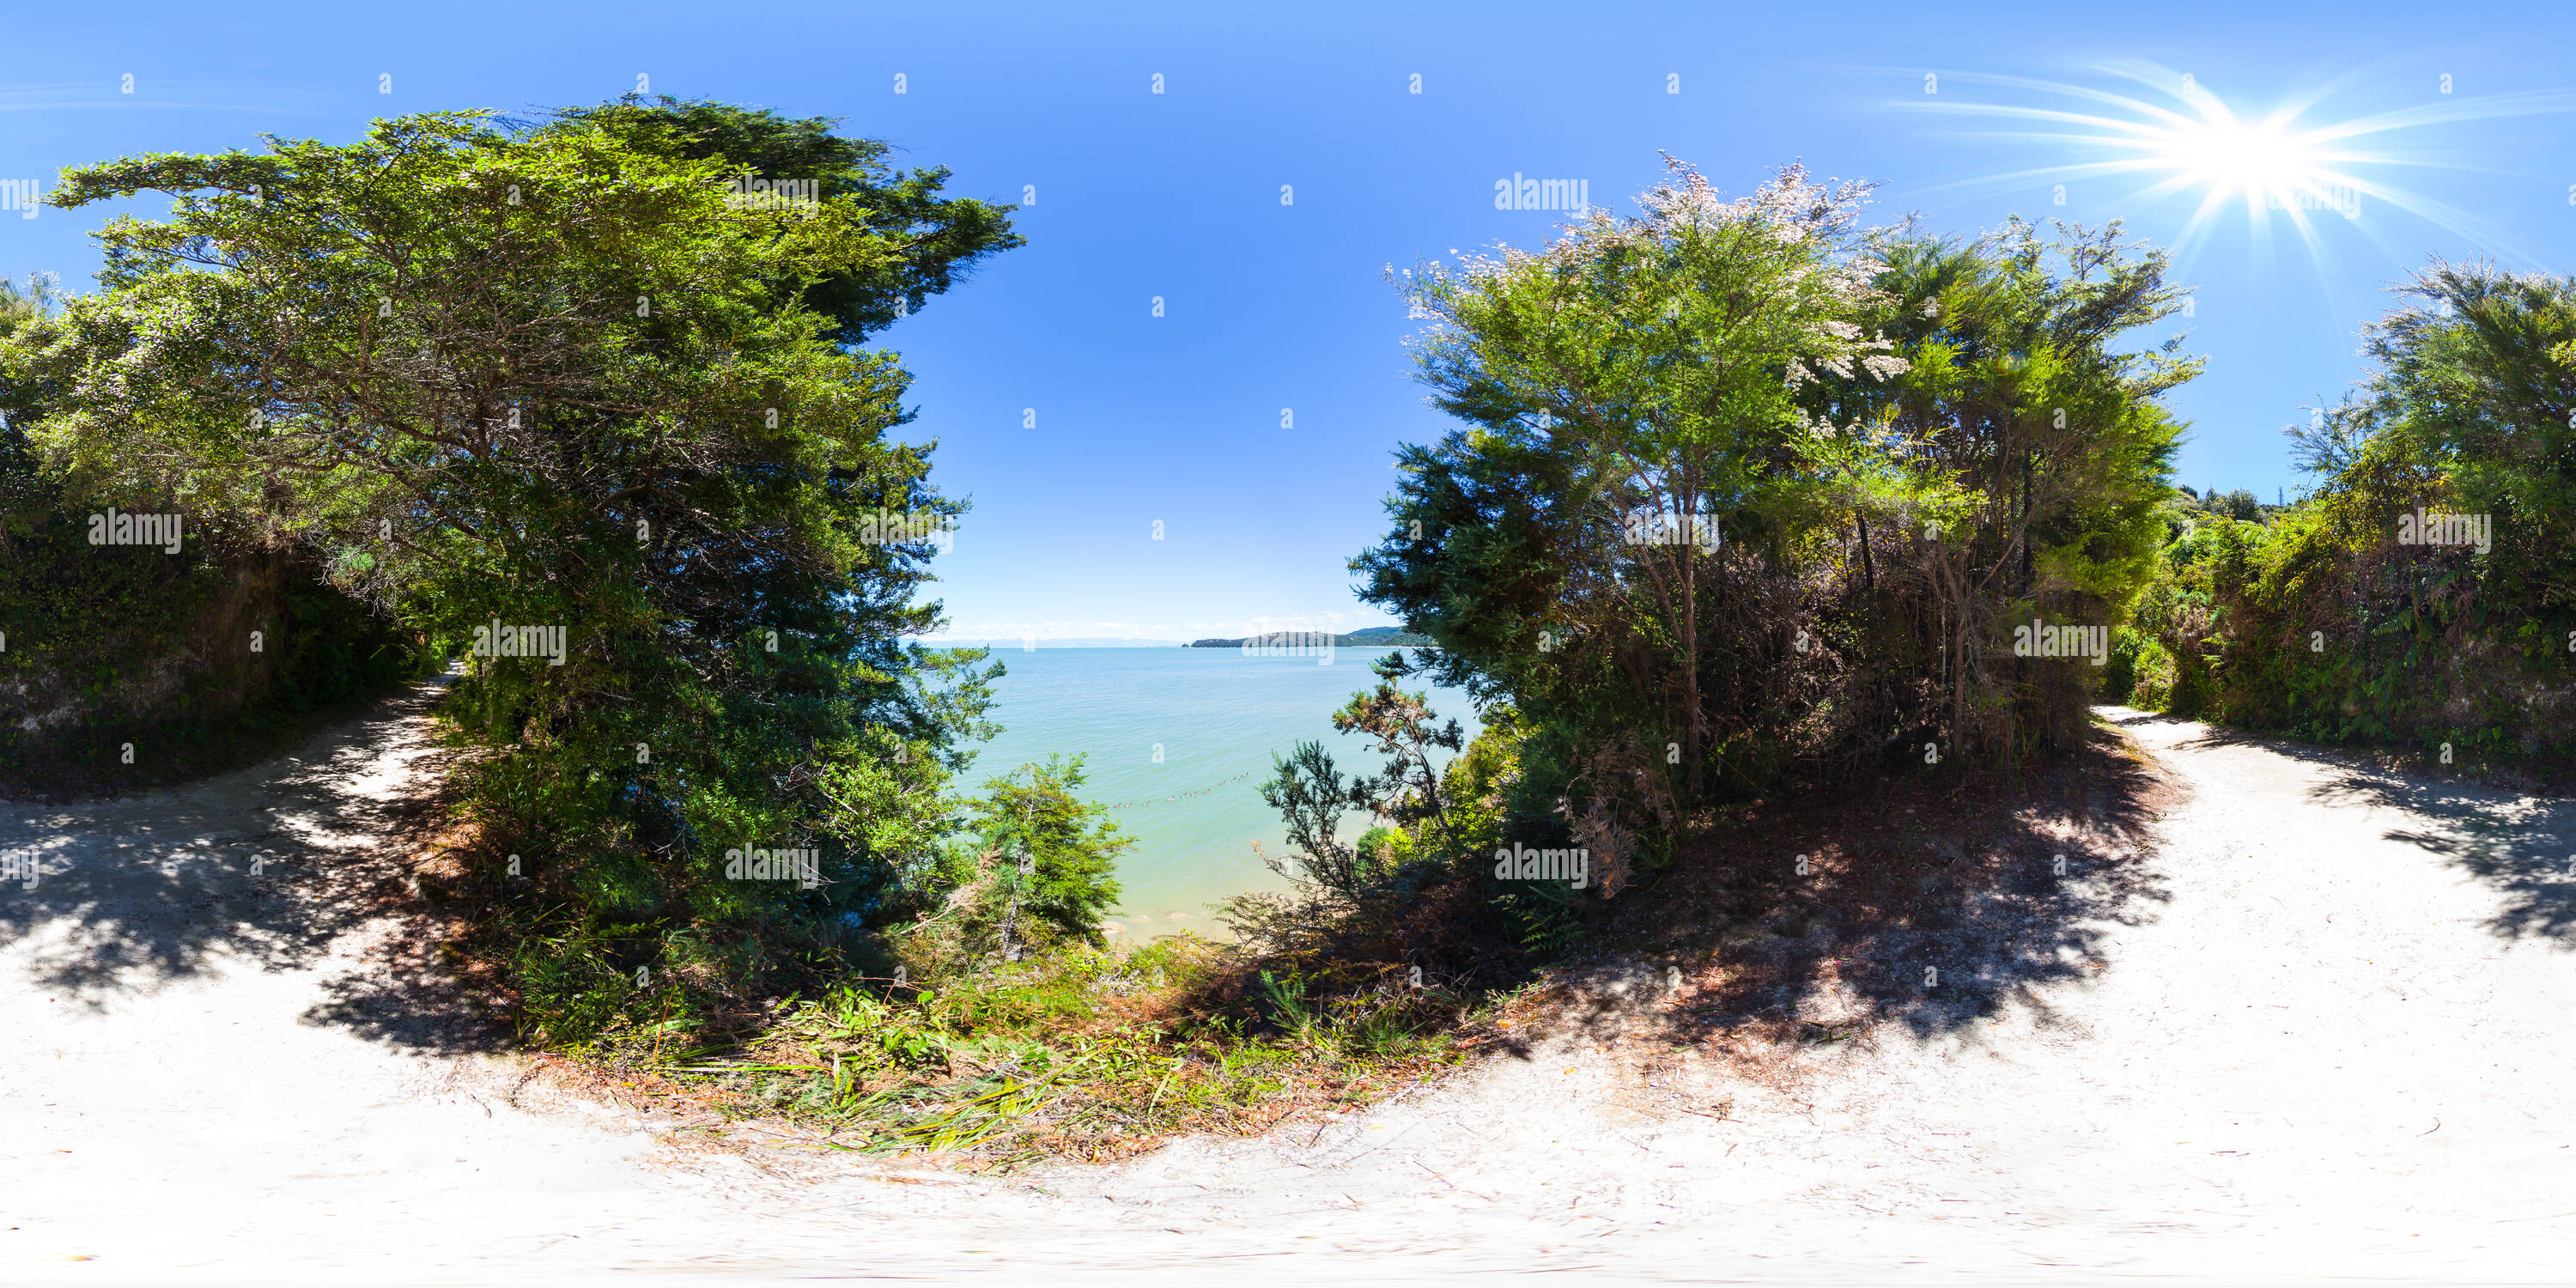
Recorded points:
(1369, 637)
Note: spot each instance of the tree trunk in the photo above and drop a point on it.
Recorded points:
(1690, 638)
(2027, 579)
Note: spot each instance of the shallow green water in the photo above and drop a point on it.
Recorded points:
(1217, 716)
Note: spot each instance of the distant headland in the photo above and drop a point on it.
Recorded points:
(1371, 637)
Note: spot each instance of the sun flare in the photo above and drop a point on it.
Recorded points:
(2229, 156)
(2191, 145)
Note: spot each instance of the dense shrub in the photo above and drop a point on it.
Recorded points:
(1746, 498)
(2330, 621)
(191, 660)
(545, 398)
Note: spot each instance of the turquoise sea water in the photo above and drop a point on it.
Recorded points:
(1218, 716)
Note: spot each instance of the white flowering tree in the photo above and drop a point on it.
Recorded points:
(1742, 493)
(1651, 368)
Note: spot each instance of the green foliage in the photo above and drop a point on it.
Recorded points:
(1363, 891)
(2120, 674)
(2152, 685)
(1627, 410)
(24, 500)
(1746, 497)
(552, 377)
(1078, 1053)
(2239, 505)
(1407, 791)
(1389, 846)
(936, 240)
(1311, 795)
(1049, 854)
(1541, 918)
(2325, 621)
(107, 646)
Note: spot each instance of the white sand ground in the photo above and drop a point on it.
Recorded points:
(2338, 1045)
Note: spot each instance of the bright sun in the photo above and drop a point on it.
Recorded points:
(2230, 156)
(2194, 147)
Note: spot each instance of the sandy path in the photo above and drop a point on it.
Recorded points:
(2338, 1044)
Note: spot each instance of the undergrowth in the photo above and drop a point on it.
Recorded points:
(1075, 1052)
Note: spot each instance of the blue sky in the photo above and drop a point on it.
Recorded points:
(1270, 306)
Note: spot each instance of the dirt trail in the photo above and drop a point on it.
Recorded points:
(2336, 1042)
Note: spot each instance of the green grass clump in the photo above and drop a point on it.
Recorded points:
(1075, 1052)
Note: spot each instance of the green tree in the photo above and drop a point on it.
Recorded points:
(549, 379)
(934, 241)
(1048, 853)
(1742, 488)
(2477, 378)
(23, 499)
(1312, 795)
(1633, 392)
(2035, 452)
(2327, 620)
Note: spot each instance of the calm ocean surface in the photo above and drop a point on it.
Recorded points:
(1219, 716)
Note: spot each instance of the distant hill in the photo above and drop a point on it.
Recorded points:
(1368, 637)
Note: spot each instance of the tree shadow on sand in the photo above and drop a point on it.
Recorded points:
(1927, 900)
(292, 865)
(2522, 846)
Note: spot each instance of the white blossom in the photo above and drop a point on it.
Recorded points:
(1885, 366)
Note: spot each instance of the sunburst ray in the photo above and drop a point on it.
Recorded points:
(2271, 163)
